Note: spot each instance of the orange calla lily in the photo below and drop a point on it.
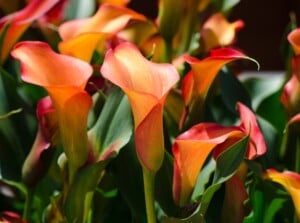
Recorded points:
(146, 85)
(81, 37)
(190, 151)
(192, 147)
(64, 78)
(218, 32)
(19, 21)
(197, 82)
(290, 181)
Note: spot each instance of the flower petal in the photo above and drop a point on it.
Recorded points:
(290, 181)
(108, 21)
(146, 85)
(294, 39)
(218, 32)
(20, 21)
(250, 126)
(40, 65)
(191, 150)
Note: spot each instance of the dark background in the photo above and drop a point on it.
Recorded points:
(265, 28)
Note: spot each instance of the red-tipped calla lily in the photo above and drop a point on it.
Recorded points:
(218, 32)
(197, 82)
(290, 96)
(37, 162)
(146, 85)
(11, 217)
(64, 78)
(81, 37)
(290, 181)
(190, 151)
(19, 21)
(192, 147)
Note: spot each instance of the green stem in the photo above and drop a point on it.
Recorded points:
(149, 180)
(297, 163)
(168, 51)
(28, 203)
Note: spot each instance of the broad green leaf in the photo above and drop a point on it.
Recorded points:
(113, 128)
(129, 180)
(233, 91)
(272, 105)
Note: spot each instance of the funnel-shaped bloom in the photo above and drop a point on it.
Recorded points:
(19, 21)
(197, 82)
(290, 181)
(64, 78)
(81, 37)
(190, 151)
(218, 32)
(37, 161)
(192, 147)
(146, 85)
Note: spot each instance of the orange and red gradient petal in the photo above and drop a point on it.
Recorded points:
(218, 32)
(108, 21)
(294, 40)
(40, 65)
(146, 85)
(19, 21)
(204, 71)
(249, 125)
(115, 2)
(290, 181)
(191, 150)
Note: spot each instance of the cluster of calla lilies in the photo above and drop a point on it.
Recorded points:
(118, 117)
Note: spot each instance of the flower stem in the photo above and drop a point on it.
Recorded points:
(28, 202)
(149, 180)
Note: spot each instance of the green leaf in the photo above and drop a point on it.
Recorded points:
(229, 161)
(84, 182)
(233, 91)
(114, 126)
(129, 179)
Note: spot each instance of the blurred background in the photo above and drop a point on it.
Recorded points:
(266, 23)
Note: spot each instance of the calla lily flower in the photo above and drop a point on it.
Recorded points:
(218, 32)
(146, 84)
(37, 161)
(19, 21)
(64, 78)
(81, 37)
(290, 181)
(192, 148)
(291, 91)
(197, 82)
